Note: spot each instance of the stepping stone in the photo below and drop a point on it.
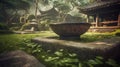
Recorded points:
(18, 59)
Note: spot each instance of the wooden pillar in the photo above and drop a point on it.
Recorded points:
(97, 20)
(119, 19)
(94, 18)
(87, 19)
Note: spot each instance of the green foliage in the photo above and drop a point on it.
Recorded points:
(15, 28)
(112, 63)
(61, 58)
(63, 7)
(15, 4)
(97, 61)
(9, 9)
(5, 32)
(3, 27)
(44, 25)
(24, 26)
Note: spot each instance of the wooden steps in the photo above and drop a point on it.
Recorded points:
(104, 29)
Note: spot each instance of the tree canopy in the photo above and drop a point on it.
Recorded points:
(11, 7)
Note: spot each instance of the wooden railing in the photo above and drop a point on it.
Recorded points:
(108, 22)
(105, 23)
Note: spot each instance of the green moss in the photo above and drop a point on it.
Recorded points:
(91, 37)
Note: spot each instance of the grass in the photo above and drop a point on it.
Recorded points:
(59, 58)
(8, 41)
(12, 41)
(91, 37)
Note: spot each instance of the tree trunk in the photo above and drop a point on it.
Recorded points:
(36, 8)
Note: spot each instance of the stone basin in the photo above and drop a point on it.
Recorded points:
(70, 29)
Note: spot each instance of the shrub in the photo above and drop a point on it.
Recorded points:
(5, 32)
(117, 32)
(14, 28)
(3, 27)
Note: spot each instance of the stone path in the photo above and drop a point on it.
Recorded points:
(92, 45)
(18, 59)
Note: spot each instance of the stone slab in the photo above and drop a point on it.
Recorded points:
(106, 48)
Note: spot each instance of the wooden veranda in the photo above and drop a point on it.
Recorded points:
(105, 13)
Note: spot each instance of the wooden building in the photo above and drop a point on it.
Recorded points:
(106, 14)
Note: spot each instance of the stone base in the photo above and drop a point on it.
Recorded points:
(70, 37)
(107, 48)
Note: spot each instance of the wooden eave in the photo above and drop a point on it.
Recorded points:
(101, 7)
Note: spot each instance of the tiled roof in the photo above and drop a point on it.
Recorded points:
(100, 4)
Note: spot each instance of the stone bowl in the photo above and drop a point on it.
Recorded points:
(70, 29)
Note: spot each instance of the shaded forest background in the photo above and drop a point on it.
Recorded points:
(16, 14)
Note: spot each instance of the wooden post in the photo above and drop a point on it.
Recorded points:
(94, 18)
(119, 19)
(97, 20)
(87, 19)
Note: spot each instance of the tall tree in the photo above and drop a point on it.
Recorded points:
(36, 9)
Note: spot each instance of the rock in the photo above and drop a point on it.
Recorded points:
(18, 59)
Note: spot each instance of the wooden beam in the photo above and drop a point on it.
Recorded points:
(97, 20)
(94, 18)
